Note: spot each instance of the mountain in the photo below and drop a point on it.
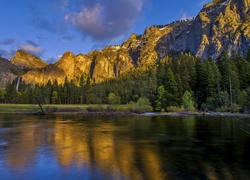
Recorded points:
(23, 60)
(220, 25)
(8, 72)
(99, 65)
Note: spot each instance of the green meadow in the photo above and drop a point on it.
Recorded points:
(72, 108)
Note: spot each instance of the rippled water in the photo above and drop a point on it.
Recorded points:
(124, 147)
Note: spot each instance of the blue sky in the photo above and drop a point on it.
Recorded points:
(48, 28)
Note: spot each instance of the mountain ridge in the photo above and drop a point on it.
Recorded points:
(219, 26)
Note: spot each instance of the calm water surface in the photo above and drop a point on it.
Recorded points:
(120, 147)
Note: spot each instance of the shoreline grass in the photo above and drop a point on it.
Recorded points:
(33, 108)
(98, 109)
(69, 108)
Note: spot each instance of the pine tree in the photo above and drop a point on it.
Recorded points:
(210, 79)
(200, 89)
(172, 93)
(230, 81)
(81, 89)
(2, 95)
(160, 103)
(243, 68)
(54, 97)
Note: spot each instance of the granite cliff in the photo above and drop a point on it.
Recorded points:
(8, 72)
(220, 25)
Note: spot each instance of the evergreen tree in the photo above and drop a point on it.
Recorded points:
(243, 69)
(179, 84)
(172, 93)
(217, 78)
(2, 95)
(160, 103)
(11, 92)
(210, 79)
(230, 81)
(185, 78)
(223, 65)
(54, 97)
(161, 72)
(200, 89)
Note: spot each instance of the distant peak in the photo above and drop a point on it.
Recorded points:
(21, 52)
(23, 59)
(68, 54)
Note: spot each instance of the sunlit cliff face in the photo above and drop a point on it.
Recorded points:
(24, 60)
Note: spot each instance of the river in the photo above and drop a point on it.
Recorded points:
(124, 147)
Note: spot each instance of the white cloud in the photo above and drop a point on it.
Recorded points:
(34, 50)
(89, 19)
(185, 16)
(106, 19)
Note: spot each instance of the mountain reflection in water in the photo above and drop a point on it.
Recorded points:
(117, 147)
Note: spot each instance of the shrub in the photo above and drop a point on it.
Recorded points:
(175, 109)
(143, 105)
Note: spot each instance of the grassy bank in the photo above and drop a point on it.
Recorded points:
(71, 108)
(99, 109)
(33, 108)
(18, 108)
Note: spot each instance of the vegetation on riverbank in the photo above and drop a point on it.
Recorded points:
(104, 109)
(74, 108)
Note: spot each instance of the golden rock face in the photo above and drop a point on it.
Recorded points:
(100, 65)
(24, 60)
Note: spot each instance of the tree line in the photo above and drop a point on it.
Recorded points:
(175, 82)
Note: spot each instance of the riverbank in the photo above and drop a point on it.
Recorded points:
(104, 109)
(91, 109)
(196, 113)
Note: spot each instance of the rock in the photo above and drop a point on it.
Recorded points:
(24, 60)
(8, 72)
(218, 26)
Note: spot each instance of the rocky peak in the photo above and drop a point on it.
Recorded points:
(142, 47)
(26, 61)
(67, 64)
(65, 60)
(220, 25)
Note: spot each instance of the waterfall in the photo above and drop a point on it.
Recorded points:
(18, 82)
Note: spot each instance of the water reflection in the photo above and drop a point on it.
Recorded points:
(99, 145)
(123, 147)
